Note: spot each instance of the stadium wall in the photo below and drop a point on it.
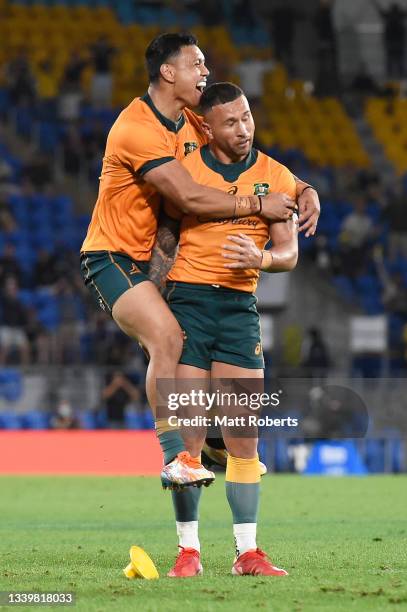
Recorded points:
(104, 453)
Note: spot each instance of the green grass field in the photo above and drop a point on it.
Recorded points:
(344, 542)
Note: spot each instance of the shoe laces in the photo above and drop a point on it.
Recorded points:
(259, 557)
(184, 556)
(186, 458)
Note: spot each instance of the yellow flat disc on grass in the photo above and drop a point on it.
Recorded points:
(140, 566)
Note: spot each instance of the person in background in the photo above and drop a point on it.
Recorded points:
(394, 38)
(118, 393)
(316, 360)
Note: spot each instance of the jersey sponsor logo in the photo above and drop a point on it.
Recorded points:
(248, 221)
(190, 147)
(261, 189)
(257, 350)
(233, 190)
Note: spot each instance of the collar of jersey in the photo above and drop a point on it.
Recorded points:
(230, 172)
(172, 126)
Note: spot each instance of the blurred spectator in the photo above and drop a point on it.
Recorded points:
(327, 77)
(251, 72)
(243, 15)
(20, 79)
(316, 360)
(64, 417)
(394, 38)
(46, 269)
(335, 412)
(41, 341)
(72, 77)
(356, 233)
(210, 12)
(13, 318)
(71, 94)
(9, 266)
(283, 18)
(72, 151)
(102, 54)
(7, 222)
(362, 86)
(118, 393)
(6, 176)
(93, 143)
(395, 295)
(395, 215)
(319, 179)
(47, 88)
(68, 349)
(37, 171)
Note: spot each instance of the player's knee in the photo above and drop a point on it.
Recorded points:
(167, 345)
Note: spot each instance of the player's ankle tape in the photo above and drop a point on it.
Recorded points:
(242, 470)
(171, 443)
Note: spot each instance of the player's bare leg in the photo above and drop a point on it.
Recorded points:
(186, 502)
(243, 488)
(144, 316)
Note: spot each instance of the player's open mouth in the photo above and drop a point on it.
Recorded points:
(201, 86)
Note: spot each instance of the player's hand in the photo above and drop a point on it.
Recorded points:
(278, 206)
(243, 251)
(310, 209)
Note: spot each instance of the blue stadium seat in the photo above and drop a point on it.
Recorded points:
(19, 208)
(48, 136)
(4, 102)
(101, 419)
(26, 258)
(371, 304)
(147, 420)
(87, 419)
(47, 309)
(62, 204)
(374, 455)
(345, 287)
(367, 366)
(9, 420)
(27, 298)
(24, 121)
(11, 384)
(43, 237)
(35, 419)
(133, 420)
(373, 210)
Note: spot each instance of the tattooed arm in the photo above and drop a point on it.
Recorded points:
(164, 249)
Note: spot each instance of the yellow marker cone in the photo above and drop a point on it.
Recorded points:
(140, 566)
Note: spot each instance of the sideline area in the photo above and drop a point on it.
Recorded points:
(80, 452)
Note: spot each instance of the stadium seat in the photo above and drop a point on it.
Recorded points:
(9, 420)
(11, 384)
(87, 419)
(35, 419)
(147, 420)
(133, 420)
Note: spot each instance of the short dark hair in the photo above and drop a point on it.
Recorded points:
(219, 93)
(162, 48)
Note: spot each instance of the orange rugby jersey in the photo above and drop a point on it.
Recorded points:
(125, 215)
(199, 258)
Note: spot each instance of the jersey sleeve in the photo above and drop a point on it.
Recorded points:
(143, 147)
(284, 181)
